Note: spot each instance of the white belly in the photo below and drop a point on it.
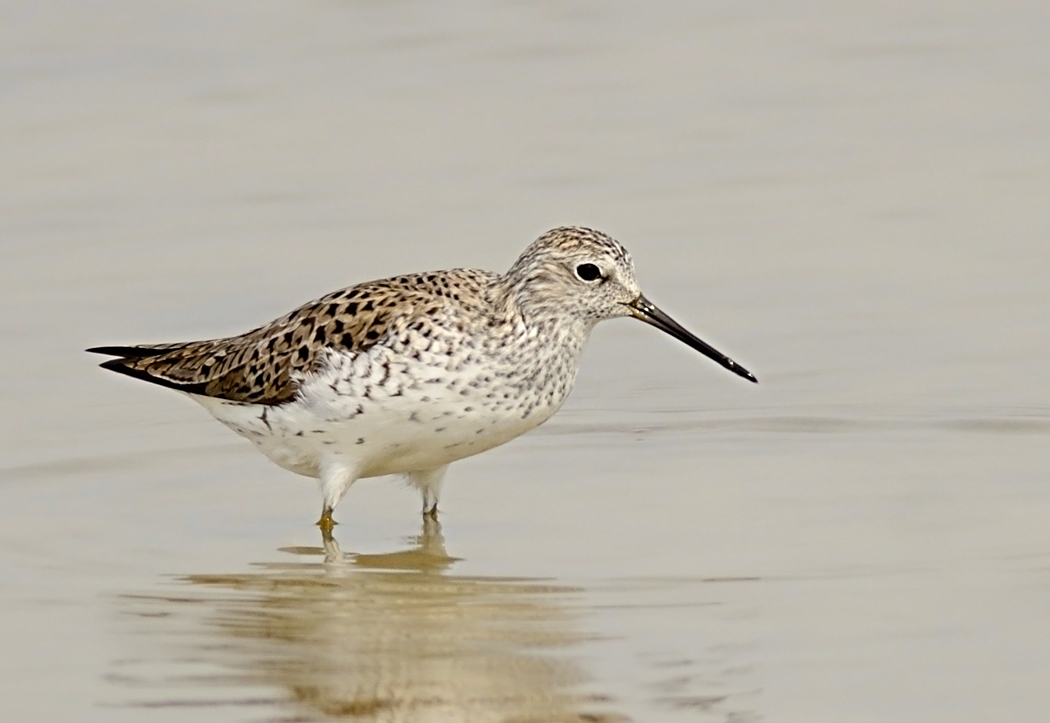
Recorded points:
(383, 413)
(380, 436)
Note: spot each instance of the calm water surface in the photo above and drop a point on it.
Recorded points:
(850, 200)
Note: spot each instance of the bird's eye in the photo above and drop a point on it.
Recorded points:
(588, 272)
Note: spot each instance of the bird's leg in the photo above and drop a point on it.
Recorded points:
(428, 482)
(336, 476)
(326, 523)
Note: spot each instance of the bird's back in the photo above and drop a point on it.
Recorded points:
(264, 366)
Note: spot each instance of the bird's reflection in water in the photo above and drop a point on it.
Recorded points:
(395, 637)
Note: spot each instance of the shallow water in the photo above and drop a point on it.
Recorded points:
(851, 201)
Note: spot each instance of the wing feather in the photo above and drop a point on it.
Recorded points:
(263, 365)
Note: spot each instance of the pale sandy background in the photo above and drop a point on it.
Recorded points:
(852, 199)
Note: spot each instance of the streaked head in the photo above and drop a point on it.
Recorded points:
(581, 273)
(575, 271)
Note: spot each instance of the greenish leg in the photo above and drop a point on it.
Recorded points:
(326, 523)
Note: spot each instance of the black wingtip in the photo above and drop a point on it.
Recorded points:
(128, 352)
(115, 365)
(120, 366)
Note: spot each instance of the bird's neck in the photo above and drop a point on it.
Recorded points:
(543, 344)
(543, 315)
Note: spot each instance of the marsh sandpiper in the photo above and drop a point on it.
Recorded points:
(408, 374)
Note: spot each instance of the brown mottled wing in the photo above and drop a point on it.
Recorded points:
(260, 367)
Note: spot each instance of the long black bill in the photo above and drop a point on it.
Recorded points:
(642, 308)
